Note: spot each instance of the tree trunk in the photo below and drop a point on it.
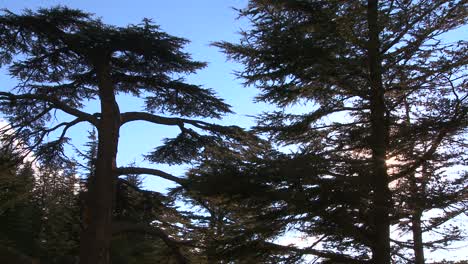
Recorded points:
(417, 238)
(416, 211)
(416, 216)
(96, 235)
(381, 193)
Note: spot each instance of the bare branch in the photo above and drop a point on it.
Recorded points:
(161, 120)
(149, 171)
(410, 25)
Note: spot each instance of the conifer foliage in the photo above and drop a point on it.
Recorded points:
(64, 58)
(380, 83)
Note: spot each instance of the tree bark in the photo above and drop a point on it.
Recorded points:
(379, 143)
(97, 232)
(418, 246)
(416, 215)
(416, 211)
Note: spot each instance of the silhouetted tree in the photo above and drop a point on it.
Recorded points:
(64, 58)
(39, 211)
(229, 204)
(148, 208)
(354, 64)
(431, 196)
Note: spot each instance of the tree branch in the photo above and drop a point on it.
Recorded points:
(448, 128)
(55, 102)
(161, 120)
(409, 26)
(173, 244)
(341, 258)
(149, 171)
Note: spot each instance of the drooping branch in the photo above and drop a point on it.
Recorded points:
(10, 132)
(340, 258)
(66, 126)
(149, 171)
(55, 102)
(29, 121)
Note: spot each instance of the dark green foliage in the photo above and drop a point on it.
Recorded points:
(40, 214)
(136, 248)
(56, 194)
(19, 215)
(190, 146)
(250, 202)
(184, 148)
(90, 154)
(151, 211)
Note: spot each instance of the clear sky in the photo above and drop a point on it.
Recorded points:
(201, 22)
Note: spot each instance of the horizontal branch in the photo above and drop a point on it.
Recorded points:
(161, 120)
(149, 171)
(341, 258)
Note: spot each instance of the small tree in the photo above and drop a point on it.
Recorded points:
(230, 203)
(56, 196)
(19, 215)
(432, 195)
(64, 58)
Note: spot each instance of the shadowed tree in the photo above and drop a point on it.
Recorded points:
(432, 195)
(227, 196)
(354, 65)
(56, 195)
(135, 205)
(19, 215)
(64, 58)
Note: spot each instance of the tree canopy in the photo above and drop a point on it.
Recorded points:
(63, 58)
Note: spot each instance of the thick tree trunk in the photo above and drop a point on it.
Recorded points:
(96, 235)
(381, 192)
